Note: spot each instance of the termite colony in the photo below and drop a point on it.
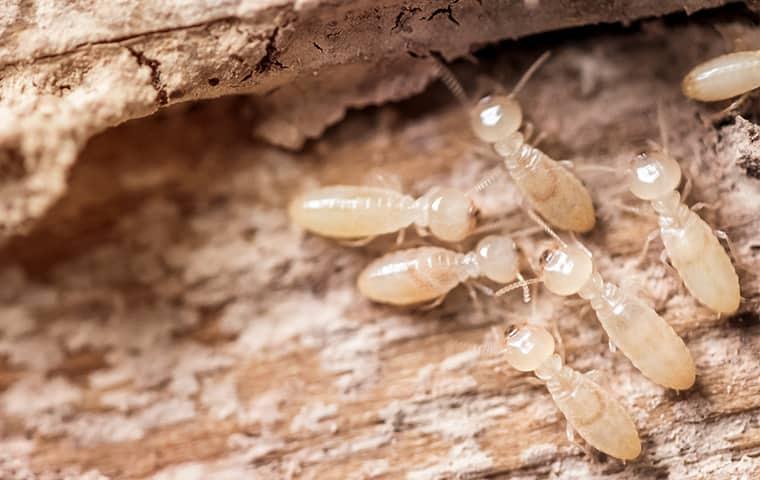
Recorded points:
(555, 199)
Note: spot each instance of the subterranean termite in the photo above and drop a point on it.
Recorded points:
(590, 410)
(552, 190)
(643, 336)
(356, 212)
(690, 243)
(723, 77)
(423, 274)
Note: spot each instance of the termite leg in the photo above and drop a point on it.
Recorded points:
(611, 346)
(710, 206)
(400, 237)
(475, 300)
(570, 434)
(485, 290)
(651, 236)
(732, 251)
(558, 338)
(671, 270)
(433, 304)
(421, 231)
(687, 185)
(358, 243)
(596, 376)
(729, 109)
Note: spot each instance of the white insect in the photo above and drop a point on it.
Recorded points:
(690, 243)
(424, 274)
(363, 212)
(643, 336)
(723, 77)
(552, 190)
(590, 410)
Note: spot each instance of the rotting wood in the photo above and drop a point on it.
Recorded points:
(70, 70)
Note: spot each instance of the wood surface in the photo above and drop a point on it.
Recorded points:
(163, 319)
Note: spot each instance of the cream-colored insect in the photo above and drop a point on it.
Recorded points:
(724, 77)
(690, 243)
(356, 212)
(643, 336)
(424, 274)
(552, 190)
(589, 409)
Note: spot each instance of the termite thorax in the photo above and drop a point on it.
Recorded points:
(673, 213)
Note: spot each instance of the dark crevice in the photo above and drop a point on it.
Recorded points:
(402, 19)
(447, 11)
(316, 45)
(155, 74)
(269, 61)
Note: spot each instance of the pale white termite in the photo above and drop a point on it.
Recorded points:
(723, 77)
(424, 274)
(643, 336)
(690, 243)
(589, 409)
(552, 190)
(354, 212)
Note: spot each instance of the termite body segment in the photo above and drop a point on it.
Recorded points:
(591, 410)
(552, 190)
(350, 212)
(693, 248)
(643, 336)
(417, 275)
(723, 77)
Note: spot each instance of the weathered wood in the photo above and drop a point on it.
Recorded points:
(164, 320)
(69, 70)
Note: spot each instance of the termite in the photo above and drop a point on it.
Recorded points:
(691, 245)
(363, 212)
(423, 274)
(643, 336)
(550, 189)
(723, 77)
(590, 410)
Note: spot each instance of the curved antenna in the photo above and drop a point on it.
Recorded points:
(490, 177)
(529, 73)
(452, 83)
(515, 285)
(525, 287)
(534, 216)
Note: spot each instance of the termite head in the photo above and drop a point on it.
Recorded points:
(566, 269)
(497, 258)
(452, 215)
(653, 175)
(527, 347)
(495, 117)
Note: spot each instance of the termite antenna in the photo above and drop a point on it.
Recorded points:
(490, 177)
(525, 287)
(529, 73)
(662, 126)
(540, 221)
(515, 285)
(450, 80)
